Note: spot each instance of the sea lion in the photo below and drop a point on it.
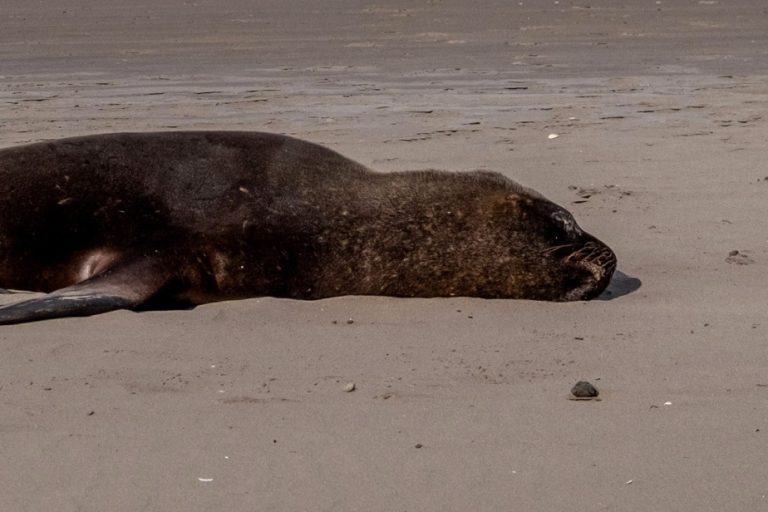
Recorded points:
(148, 220)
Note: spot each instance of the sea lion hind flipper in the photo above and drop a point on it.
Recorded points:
(124, 287)
(56, 306)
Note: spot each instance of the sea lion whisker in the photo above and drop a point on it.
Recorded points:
(556, 248)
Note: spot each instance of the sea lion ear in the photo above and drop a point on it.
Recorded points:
(507, 203)
(515, 200)
(512, 199)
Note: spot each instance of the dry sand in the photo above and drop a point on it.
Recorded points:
(660, 108)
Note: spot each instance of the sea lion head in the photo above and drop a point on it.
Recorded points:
(562, 261)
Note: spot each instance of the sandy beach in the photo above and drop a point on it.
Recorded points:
(659, 111)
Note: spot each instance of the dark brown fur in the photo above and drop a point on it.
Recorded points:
(144, 219)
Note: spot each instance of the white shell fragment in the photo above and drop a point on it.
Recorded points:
(552, 136)
(205, 479)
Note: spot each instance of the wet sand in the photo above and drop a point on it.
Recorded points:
(460, 404)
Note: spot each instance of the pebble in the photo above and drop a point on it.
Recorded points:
(584, 389)
(350, 387)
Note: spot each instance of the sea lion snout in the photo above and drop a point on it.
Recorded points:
(599, 261)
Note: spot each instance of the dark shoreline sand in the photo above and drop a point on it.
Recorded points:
(659, 108)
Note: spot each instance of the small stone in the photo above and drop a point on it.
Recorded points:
(349, 387)
(584, 389)
(418, 445)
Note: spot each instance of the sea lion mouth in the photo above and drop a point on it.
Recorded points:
(597, 259)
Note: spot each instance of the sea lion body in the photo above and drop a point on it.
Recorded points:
(152, 219)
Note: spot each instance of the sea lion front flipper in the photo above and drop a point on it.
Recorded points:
(124, 287)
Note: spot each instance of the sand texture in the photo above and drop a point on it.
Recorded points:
(661, 114)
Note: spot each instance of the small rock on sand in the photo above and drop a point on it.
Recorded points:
(584, 389)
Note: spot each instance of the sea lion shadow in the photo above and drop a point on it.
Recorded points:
(621, 284)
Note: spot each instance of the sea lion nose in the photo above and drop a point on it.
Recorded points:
(596, 258)
(602, 254)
